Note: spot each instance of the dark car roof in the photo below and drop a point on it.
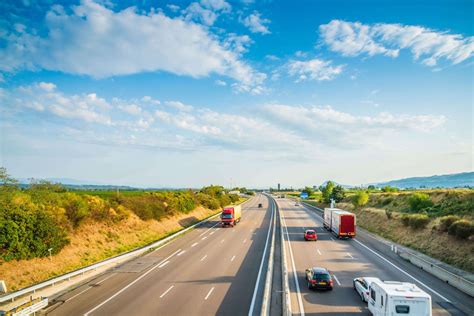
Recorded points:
(320, 270)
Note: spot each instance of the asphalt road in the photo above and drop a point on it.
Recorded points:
(346, 260)
(208, 271)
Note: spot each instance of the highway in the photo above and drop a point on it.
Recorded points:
(208, 271)
(346, 260)
(221, 271)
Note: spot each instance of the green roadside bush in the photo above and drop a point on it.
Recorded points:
(446, 221)
(415, 221)
(462, 229)
(360, 199)
(419, 201)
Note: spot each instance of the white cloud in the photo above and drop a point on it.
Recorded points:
(256, 24)
(47, 86)
(426, 45)
(132, 109)
(173, 7)
(220, 83)
(314, 69)
(97, 41)
(179, 106)
(206, 11)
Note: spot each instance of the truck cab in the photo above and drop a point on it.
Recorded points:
(231, 215)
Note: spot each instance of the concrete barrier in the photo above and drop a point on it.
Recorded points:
(454, 280)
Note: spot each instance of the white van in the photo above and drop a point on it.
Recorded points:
(387, 298)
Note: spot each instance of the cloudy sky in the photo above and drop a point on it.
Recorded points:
(248, 93)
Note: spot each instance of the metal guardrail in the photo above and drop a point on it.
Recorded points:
(286, 303)
(267, 292)
(68, 276)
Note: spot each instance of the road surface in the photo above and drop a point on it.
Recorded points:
(346, 260)
(208, 271)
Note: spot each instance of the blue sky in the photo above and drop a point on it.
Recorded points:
(249, 93)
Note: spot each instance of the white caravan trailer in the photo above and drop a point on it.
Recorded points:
(390, 298)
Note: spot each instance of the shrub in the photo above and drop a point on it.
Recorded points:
(387, 201)
(389, 214)
(360, 199)
(405, 219)
(76, 208)
(418, 221)
(462, 229)
(419, 201)
(389, 189)
(446, 221)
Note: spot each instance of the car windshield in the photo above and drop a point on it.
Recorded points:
(321, 276)
(310, 233)
(226, 215)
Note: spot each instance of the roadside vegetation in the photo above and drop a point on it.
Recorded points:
(437, 222)
(80, 228)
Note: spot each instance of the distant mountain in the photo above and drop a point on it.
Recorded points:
(345, 186)
(65, 181)
(456, 180)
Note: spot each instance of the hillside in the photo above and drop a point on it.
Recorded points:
(457, 180)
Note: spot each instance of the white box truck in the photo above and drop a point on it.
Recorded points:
(388, 298)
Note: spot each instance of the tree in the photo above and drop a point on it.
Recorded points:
(327, 192)
(371, 187)
(419, 201)
(388, 188)
(308, 190)
(338, 193)
(360, 199)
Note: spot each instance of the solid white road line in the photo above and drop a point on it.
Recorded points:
(129, 285)
(335, 278)
(401, 270)
(210, 228)
(166, 292)
(209, 293)
(179, 254)
(205, 256)
(350, 255)
(212, 233)
(319, 252)
(232, 258)
(90, 287)
(194, 244)
(83, 291)
(295, 276)
(163, 264)
(255, 290)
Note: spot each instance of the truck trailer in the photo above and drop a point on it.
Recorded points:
(328, 217)
(398, 298)
(343, 224)
(231, 215)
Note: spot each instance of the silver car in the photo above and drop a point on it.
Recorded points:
(361, 285)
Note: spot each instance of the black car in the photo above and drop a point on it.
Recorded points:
(260, 205)
(319, 278)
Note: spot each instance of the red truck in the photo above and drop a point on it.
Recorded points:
(231, 215)
(343, 224)
(340, 222)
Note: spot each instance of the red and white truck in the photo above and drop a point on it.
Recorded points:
(340, 222)
(231, 215)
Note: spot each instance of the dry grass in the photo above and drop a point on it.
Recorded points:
(95, 241)
(429, 240)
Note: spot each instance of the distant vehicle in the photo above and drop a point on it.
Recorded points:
(361, 286)
(319, 278)
(259, 205)
(340, 222)
(231, 215)
(310, 234)
(398, 298)
(297, 204)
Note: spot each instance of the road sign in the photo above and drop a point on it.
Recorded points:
(304, 195)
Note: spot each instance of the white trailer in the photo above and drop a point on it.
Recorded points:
(328, 217)
(388, 298)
